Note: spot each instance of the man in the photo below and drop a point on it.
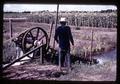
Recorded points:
(63, 37)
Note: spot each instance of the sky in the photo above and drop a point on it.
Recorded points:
(53, 7)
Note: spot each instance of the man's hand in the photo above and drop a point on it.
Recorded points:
(73, 46)
(72, 50)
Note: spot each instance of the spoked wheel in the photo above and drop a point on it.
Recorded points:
(33, 38)
(19, 39)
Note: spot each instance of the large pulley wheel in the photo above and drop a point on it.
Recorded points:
(34, 37)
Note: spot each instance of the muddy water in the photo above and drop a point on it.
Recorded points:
(108, 56)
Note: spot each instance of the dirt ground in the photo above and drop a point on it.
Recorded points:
(105, 70)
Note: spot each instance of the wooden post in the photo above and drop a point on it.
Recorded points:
(56, 23)
(10, 27)
(85, 53)
(51, 28)
(88, 22)
(112, 22)
(41, 54)
(82, 21)
(100, 22)
(91, 44)
(76, 21)
(55, 29)
(107, 22)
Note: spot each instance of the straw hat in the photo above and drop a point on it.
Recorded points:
(63, 19)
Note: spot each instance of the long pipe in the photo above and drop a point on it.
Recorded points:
(24, 55)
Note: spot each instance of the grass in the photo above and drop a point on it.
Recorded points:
(104, 39)
(82, 72)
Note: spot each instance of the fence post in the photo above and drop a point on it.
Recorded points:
(41, 53)
(91, 45)
(10, 27)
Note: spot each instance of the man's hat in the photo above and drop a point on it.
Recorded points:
(63, 19)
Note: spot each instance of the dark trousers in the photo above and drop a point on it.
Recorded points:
(64, 57)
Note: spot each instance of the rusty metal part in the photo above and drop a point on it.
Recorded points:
(34, 34)
(31, 36)
(26, 39)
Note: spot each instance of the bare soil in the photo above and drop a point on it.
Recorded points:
(104, 71)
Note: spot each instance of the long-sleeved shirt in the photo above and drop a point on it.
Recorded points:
(63, 36)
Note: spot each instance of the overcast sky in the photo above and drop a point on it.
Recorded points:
(53, 7)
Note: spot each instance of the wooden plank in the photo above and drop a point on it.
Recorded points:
(41, 56)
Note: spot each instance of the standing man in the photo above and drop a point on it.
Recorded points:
(63, 37)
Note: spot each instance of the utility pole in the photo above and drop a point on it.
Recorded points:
(91, 43)
(54, 39)
(56, 23)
